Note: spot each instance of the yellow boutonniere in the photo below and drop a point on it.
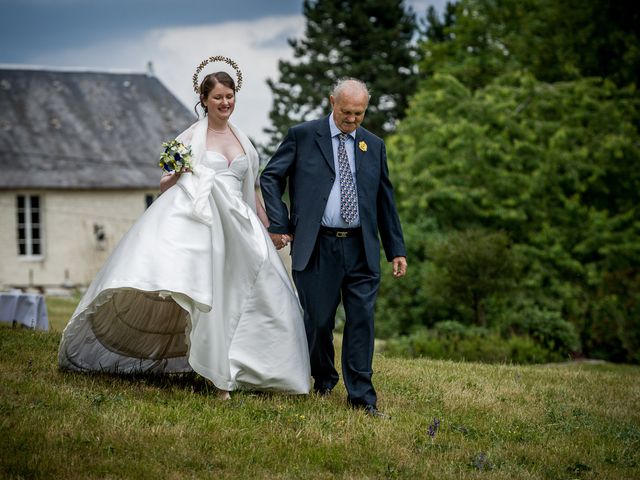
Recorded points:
(363, 146)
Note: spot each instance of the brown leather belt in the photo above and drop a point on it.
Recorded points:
(341, 232)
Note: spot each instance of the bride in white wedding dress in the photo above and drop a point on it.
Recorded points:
(197, 284)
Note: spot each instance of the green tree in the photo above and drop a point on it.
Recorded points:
(553, 40)
(556, 166)
(476, 265)
(367, 39)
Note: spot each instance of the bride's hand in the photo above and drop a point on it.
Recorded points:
(168, 181)
(280, 240)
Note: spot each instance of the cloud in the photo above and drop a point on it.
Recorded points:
(175, 53)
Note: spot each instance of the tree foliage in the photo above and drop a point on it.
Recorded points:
(553, 40)
(475, 265)
(369, 39)
(556, 165)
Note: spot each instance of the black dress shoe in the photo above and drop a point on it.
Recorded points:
(372, 411)
(322, 392)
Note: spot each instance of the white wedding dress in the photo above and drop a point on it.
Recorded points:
(196, 284)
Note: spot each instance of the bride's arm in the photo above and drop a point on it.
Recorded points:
(279, 240)
(168, 181)
(262, 214)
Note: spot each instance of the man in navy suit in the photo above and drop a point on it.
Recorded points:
(341, 199)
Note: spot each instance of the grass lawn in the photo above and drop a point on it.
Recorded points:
(564, 421)
(60, 310)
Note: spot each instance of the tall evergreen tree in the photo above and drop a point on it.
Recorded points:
(366, 39)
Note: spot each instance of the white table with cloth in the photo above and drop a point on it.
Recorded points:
(28, 309)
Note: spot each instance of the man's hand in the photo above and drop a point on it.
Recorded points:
(399, 266)
(280, 240)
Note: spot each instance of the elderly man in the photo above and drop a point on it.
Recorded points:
(341, 199)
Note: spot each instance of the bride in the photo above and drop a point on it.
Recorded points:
(197, 284)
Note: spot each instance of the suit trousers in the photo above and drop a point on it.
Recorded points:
(337, 270)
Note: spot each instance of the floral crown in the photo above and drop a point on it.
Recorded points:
(217, 58)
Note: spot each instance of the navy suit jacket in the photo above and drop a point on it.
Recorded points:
(305, 159)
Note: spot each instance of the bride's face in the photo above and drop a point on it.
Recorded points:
(221, 101)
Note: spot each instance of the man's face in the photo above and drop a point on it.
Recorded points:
(349, 107)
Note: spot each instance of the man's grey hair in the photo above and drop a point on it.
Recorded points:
(345, 82)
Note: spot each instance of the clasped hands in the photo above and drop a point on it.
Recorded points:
(281, 240)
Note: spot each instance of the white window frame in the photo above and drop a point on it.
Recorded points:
(29, 226)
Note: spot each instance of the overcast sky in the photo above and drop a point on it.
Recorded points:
(175, 35)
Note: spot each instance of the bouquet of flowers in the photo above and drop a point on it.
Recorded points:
(176, 157)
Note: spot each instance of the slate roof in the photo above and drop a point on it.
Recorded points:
(84, 130)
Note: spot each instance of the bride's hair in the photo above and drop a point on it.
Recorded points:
(209, 82)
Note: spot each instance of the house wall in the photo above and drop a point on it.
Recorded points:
(72, 253)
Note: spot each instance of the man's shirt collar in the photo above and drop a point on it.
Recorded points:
(335, 130)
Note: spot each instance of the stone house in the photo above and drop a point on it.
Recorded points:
(78, 165)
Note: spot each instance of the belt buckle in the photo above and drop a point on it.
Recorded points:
(341, 234)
